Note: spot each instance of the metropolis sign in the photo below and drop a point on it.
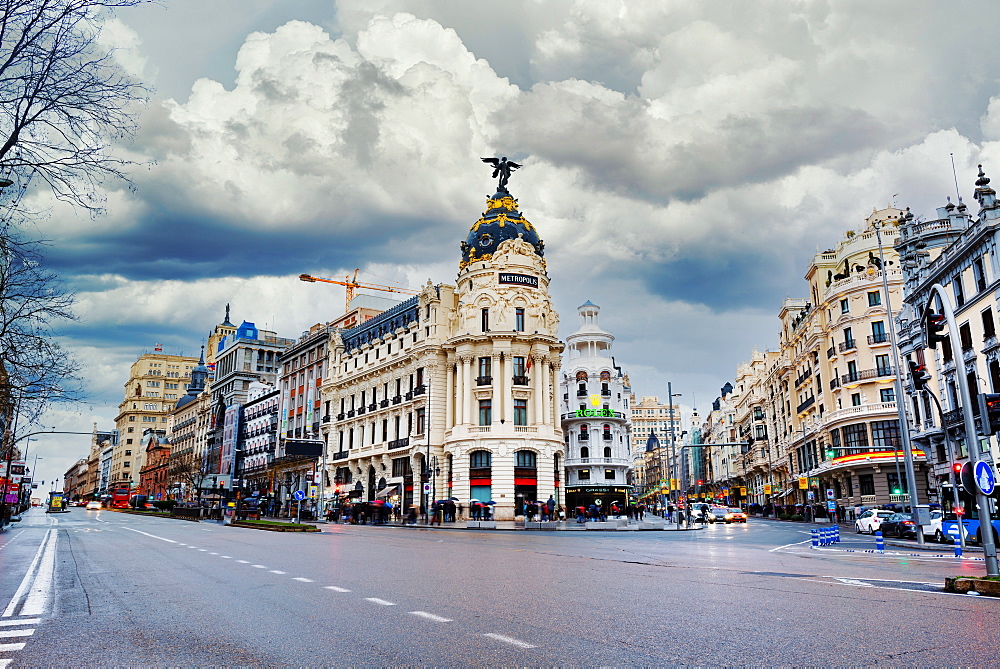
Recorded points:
(519, 279)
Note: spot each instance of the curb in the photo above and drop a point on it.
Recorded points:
(274, 528)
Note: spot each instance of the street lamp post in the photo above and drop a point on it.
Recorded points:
(673, 459)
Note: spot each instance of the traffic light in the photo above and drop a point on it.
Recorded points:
(989, 411)
(957, 468)
(830, 453)
(918, 375)
(935, 323)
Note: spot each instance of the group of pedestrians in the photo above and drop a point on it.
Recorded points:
(545, 511)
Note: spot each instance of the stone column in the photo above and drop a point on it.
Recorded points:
(459, 393)
(546, 380)
(497, 385)
(467, 400)
(536, 390)
(554, 403)
(449, 396)
(507, 390)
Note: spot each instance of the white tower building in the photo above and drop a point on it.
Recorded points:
(596, 419)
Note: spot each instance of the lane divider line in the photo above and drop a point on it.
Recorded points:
(153, 536)
(336, 588)
(258, 566)
(511, 640)
(244, 561)
(302, 580)
(431, 616)
(278, 571)
(381, 602)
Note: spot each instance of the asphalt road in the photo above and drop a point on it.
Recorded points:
(138, 591)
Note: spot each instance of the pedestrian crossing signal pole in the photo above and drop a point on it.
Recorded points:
(971, 433)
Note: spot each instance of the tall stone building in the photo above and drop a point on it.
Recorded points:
(156, 381)
(596, 419)
(455, 388)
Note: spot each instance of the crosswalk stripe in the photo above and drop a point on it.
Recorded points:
(6, 634)
(4, 647)
(23, 621)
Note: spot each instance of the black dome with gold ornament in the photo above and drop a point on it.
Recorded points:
(500, 222)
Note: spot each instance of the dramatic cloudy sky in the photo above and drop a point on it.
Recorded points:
(682, 161)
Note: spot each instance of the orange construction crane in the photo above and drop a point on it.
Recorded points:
(351, 282)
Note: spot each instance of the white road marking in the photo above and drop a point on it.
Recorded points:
(23, 621)
(376, 600)
(6, 634)
(26, 581)
(336, 589)
(4, 663)
(12, 540)
(203, 550)
(10, 646)
(788, 545)
(302, 580)
(195, 547)
(213, 553)
(37, 600)
(257, 566)
(225, 557)
(171, 541)
(244, 561)
(278, 571)
(431, 616)
(511, 640)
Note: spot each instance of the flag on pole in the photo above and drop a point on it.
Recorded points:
(527, 367)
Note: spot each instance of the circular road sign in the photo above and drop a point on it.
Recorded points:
(299, 495)
(986, 479)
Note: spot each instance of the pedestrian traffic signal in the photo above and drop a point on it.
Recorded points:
(934, 325)
(918, 375)
(989, 410)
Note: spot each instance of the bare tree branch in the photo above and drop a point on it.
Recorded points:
(64, 99)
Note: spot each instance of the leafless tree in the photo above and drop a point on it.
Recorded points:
(35, 368)
(64, 98)
(190, 470)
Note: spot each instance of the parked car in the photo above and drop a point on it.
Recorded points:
(735, 516)
(93, 505)
(899, 525)
(934, 531)
(870, 521)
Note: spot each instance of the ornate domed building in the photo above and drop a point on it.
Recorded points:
(453, 394)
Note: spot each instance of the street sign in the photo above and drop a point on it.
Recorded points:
(299, 495)
(986, 479)
(427, 488)
(803, 483)
(767, 488)
(829, 493)
(831, 505)
(811, 495)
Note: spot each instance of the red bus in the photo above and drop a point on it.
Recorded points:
(119, 498)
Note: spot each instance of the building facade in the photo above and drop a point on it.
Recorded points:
(455, 389)
(957, 251)
(596, 418)
(188, 436)
(154, 477)
(258, 440)
(156, 381)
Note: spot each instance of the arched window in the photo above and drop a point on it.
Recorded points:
(479, 459)
(584, 452)
(606, 432)
(607, 451)
(584, 433)
(526, 459)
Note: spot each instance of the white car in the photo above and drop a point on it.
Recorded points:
(871, 520)
(93, 505)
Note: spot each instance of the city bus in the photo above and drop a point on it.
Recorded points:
(119, 498)
(970, 520)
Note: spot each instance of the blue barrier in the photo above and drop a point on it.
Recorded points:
(958, 548)
(879, 542)
(836, 534)
(815, 538)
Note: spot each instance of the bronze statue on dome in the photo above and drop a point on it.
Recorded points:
(502, 168)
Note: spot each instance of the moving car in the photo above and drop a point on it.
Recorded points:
(870, 521)
(93, 505)
(735, 516)
(717, 514)
(933, 531)
(899, 525)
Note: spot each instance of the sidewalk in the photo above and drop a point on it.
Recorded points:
(511, 525)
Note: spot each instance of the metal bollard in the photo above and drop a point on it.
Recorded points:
(824, 536)
(879, 542)
(815, 538)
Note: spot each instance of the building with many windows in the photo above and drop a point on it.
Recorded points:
(595, 417)
(817, 418)
(957, 251)
(156, 381)
(456, 387)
